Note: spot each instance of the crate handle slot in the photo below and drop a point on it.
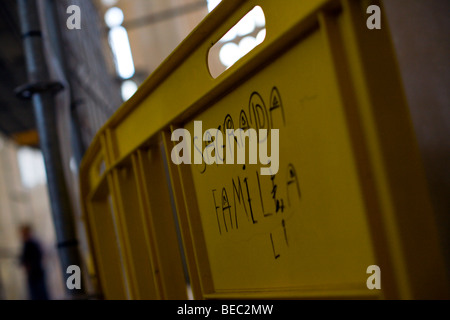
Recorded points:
(248, 33)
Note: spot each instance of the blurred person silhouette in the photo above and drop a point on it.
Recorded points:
(31, 259)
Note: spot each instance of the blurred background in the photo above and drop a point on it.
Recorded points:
(120, 43)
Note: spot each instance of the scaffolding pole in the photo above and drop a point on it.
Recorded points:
(41, 90)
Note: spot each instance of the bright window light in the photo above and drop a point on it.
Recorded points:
(114, 17)
(261, 36)
(243, 37)
(129, 87)
(109, 3)
(31, 166)
(258, 17)
(229, 54)
(246, 45)
(254, 19)
(246, 25)
(120, 46)
(212, 4)
(230, 35)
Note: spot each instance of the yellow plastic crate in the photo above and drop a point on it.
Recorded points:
(350, 191)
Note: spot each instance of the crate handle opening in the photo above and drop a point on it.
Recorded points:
(241, 39)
